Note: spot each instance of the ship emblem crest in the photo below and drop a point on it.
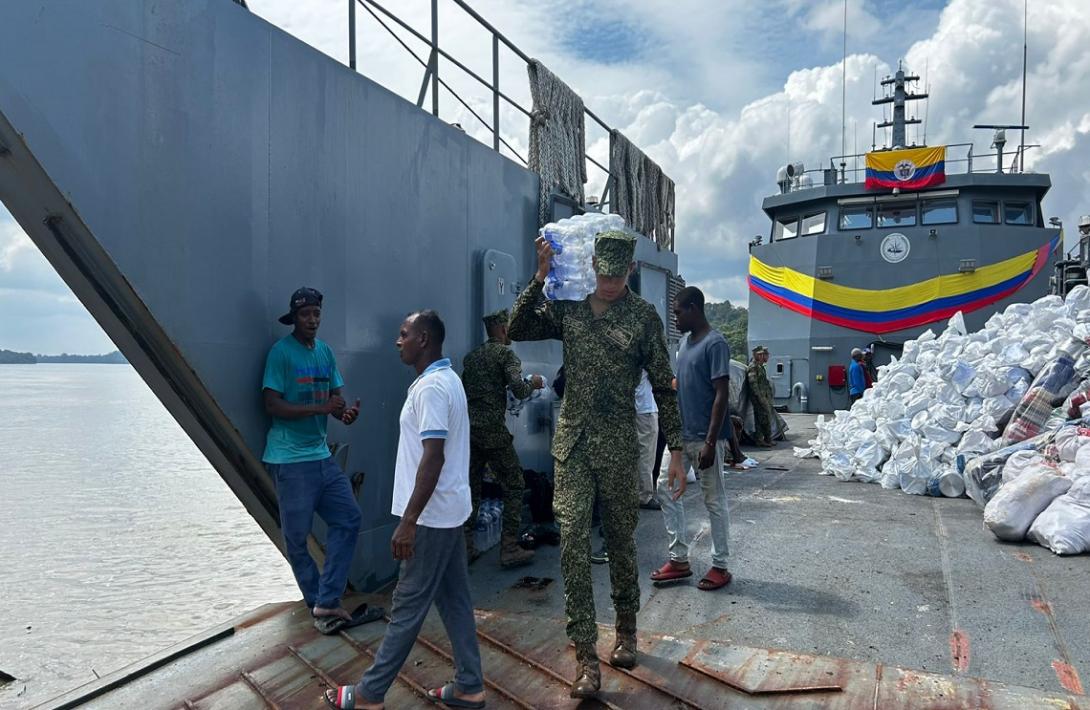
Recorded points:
(904, 170)
(895, 248)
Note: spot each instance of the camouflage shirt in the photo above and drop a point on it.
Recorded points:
(759, 385)
(603, 358)
(487, 372)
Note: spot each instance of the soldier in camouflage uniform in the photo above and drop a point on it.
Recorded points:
(609, 337)
(488, 371)
(760, 396)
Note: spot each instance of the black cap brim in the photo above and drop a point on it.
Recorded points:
(287, 318)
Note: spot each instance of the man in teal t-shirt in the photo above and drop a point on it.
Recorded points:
(301, 388)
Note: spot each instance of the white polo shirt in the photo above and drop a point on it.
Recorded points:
(645, 398)
(435, 408)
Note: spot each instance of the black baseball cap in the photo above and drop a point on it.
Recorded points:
(301, 298)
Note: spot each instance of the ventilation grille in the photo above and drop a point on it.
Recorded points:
(674, 286)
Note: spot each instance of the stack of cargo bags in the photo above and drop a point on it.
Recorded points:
(1000, 415)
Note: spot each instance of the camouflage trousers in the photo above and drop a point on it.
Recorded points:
(762, 422)
(616, 488)
(505, 466)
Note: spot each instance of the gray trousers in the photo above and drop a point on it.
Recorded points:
(647, 434)
(437, 572)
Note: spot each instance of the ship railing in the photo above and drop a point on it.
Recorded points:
(960, 160)
(432, 79)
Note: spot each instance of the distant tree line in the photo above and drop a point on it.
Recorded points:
(10, 357)
(732, 322)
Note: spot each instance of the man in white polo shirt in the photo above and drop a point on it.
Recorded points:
(432, 498)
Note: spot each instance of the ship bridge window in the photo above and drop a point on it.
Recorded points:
(1017, 213)
(813, 224)
(897, 215)
(785, 228)
(939, 212)
(852, 218)
(985, 212)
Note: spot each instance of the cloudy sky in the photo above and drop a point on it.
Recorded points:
(720, 93)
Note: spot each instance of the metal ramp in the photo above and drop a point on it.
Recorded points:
(274, 659)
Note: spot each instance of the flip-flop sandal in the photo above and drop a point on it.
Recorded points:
(446, 696)
(364, 614)
(669, 572)
(713, 580)
(329, 625)
(345, 697)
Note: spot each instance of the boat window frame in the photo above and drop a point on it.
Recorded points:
(866, 209)
(1029, 213)
(805, 216)
(996, 214)
(938, 200)
(780, 222)
(908, 206)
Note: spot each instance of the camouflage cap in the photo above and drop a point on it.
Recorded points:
(760, 349)
(497, 318)
(614, 251)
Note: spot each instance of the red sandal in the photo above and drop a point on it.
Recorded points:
(671, 571)
(715, 579)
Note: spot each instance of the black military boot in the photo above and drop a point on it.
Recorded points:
(624, 651)
(588, 676)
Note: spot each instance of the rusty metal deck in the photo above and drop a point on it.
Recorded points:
(845, 596)
(275, 659)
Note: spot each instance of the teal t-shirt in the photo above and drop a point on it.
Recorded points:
(302, 376)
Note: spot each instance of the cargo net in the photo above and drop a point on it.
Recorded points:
(1001, 415)
(641, 192)
(557, 138)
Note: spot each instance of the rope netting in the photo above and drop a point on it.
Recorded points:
(557, 137)
(641, 192)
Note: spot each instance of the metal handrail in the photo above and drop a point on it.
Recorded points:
(430, 69)
(846, 175)
(431, 73)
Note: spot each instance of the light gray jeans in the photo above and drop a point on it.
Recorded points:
(436, 573)
(647, 434)
(715, 500)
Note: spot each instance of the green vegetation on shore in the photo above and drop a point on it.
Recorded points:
(732, 322)
(10, 357)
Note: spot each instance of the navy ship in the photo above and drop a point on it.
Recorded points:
(875, 256)
(186, 166)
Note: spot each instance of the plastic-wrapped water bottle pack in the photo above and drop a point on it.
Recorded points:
(571, 277)
(489, 524)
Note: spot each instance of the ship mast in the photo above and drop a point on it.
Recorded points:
(898, 98)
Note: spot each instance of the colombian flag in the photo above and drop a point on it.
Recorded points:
(910, 169)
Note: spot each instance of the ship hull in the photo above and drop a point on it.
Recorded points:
(806, 348)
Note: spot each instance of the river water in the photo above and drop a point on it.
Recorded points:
(117, 538)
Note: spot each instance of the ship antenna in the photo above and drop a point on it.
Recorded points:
(1025, 51)
(926, 112)
(844, 88)
(927, 90)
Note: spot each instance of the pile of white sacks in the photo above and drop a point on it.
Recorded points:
(931, 423)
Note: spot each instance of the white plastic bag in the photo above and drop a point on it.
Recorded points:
(840, 465)
(1064, 526)
(1013, 509)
